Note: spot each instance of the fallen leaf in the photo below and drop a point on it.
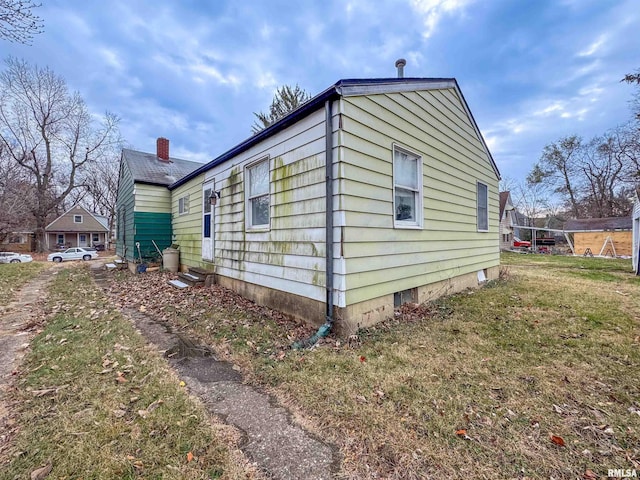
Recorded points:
(589, 475)
(120, 378)
(154, 405)
(189, 457)
(182, 384)
(557, 440)
(362, 358)
(119, 413)
(42, 472)
(461, 433)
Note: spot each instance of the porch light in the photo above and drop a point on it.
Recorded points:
(213, 197)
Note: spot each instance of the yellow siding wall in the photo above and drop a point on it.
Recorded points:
(289, 256)
(380, 259)
(187, 227)
(152, 198)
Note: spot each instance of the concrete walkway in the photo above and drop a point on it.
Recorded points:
(18, 320)
(280, 448)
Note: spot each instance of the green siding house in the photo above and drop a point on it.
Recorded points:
(143, 207)
(373, 193)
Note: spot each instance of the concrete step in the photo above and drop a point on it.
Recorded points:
(190, 279)
(206, 276)
(178, 284)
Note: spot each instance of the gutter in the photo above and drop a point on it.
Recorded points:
(324, 330)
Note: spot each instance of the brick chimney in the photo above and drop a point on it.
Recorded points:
(162, 145)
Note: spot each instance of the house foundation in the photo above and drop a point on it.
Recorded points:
(359, 315)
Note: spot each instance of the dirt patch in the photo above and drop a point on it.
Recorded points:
(18, 324)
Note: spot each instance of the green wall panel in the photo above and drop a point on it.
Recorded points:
(151, 226)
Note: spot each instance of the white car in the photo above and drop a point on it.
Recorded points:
(74, 253)
(11, 257)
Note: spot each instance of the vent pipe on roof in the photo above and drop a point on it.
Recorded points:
(400, 63)
(162, 145)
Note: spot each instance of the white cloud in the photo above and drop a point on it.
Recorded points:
(555, 108)
(266, 31)
(111, 58)
(315, 30)
(433, 11)
(594, 47)
(265, 79)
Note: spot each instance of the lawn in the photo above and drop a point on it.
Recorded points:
(535, 376)
(93, 401)
(14, 275)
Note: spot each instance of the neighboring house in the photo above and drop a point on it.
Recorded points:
(635, 218)
(405, 210)
(77, 227)
(507, 221)
(143, 205)
(612, 236)
(22, 241)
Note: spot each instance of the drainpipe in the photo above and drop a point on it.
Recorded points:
(329, 211)
(324, 330)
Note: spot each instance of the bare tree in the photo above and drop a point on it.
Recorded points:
(634, 78)
(557, 168)
(507, 184)
(625, 140)
(532, 200)
(16, 198)
(18, 22)
(603, 166)
(49, 132)
(285, 100)
(100, 186)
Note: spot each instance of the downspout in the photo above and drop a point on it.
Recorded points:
(324, 330)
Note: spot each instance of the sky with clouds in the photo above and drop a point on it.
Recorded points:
(195, 71)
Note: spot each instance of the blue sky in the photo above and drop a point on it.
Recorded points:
(195, 71)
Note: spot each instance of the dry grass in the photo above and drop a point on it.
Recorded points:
(14, 275)
(96, 402)
(477, 385)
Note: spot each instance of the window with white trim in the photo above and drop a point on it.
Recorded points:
(77, 219)
(482, 202)
(183, 205)
(60, 239)
(407, 188)
(258, 194)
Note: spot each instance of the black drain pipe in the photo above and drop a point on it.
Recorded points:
(324, 330)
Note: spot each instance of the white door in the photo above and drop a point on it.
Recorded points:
(208, 209)
(82, 239)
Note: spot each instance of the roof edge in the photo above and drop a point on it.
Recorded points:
(299, 113)
(344, 87)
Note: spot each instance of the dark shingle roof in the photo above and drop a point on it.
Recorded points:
(146, 168)
(610, 223)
